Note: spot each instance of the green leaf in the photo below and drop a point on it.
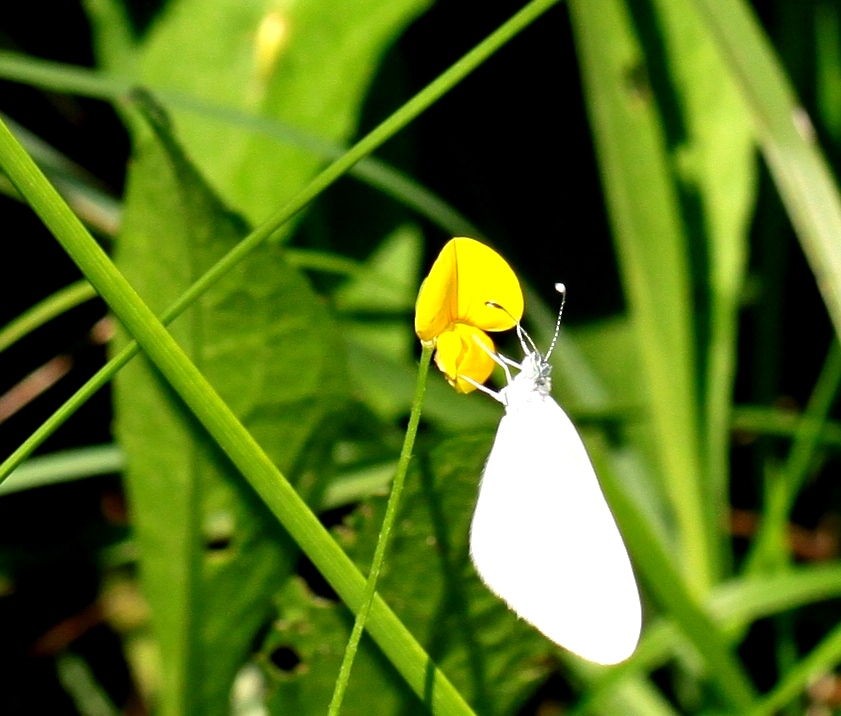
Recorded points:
(787, 139)
(64, 466)
(308, 64)
(494, 659)
(212, 554)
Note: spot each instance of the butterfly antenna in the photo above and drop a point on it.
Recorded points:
(561, 289)
(525, 338)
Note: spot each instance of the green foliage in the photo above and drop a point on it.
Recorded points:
(680, 227)
(214, 551)
(494, 659)
(308, 64)
(270, 395)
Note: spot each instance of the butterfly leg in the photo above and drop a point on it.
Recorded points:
(510, 361)
(483, 388)
(500, 360)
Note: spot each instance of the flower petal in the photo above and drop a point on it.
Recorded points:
(483, 276)
(465, 276)
(459, 355)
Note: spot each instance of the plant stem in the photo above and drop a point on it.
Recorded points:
(44, 311)
(385, 534)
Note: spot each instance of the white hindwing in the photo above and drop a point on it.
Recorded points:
(544, 539)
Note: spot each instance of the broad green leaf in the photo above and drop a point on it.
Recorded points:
(494, 659)
(306, 63)
(212, 555)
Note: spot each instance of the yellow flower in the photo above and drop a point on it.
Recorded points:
(452, 308)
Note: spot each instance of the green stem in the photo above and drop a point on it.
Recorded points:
(761, 420)
(822, 659)
(380, 134)
(44, 311)
(800, 170)
(782, 486)
(385, 534)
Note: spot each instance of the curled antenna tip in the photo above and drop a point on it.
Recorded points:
(561, 289)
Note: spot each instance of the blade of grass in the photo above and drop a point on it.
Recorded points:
(65, 466)
(671, 591)
(821, 660)
(643, 205)
(62, 300)
(827, 20)
(376, 173)
(769, 548)
(786, 137)
(782, 423)
(380, 134)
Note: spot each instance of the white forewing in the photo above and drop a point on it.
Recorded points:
(544, 539)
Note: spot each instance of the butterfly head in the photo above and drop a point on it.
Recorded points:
(535, 374)
(536, 370)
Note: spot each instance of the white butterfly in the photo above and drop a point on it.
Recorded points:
(542, 536)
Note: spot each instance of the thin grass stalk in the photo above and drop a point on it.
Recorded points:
(380, 134)
(769, 548)
(44, 311)
(384, 536)
(787, 140)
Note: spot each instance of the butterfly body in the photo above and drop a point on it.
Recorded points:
(543, 537)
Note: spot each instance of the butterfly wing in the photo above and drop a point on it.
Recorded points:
(544, 539)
